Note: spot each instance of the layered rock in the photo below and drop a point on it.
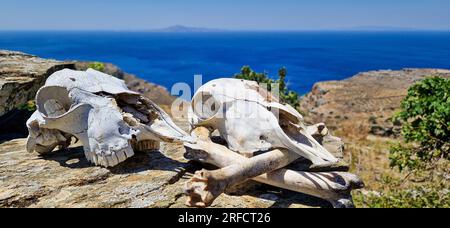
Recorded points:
(365, 103)
(21, 75)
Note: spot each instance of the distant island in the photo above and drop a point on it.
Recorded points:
(185, 29)
(382, 28)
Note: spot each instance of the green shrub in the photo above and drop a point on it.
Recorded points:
(425, 120)
(29, 106)
(97, 66)
(287, 96)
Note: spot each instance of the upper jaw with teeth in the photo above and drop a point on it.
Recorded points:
(99, 110)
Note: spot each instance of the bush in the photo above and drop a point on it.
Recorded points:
(425, 120)
(97, 66)
(287, 96)
(29, 106)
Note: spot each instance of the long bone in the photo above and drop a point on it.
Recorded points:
(205, 186)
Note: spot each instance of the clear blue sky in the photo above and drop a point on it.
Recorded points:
(225, 14)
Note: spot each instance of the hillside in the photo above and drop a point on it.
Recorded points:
(364, 103)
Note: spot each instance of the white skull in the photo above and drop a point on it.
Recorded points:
(101, 112)
(251, 119)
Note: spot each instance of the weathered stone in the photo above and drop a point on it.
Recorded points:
(21, 75)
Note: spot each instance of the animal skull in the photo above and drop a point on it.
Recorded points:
(100, 111)
(251, 119)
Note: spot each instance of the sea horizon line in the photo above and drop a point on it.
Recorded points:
(221, 31)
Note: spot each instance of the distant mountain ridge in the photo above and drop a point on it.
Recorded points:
(382, 28)
(185, 29)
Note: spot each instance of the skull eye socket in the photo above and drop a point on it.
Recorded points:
(205, 106)
(53, 101)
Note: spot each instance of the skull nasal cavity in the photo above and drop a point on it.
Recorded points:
(204, 105)
(262, 137)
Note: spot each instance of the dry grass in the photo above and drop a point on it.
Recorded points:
(369, 158)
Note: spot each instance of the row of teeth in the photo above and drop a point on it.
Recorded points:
(116, 157)
(146, 145)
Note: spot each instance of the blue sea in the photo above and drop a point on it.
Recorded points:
(169, 58)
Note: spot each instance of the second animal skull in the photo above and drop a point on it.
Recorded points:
(251, 119)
